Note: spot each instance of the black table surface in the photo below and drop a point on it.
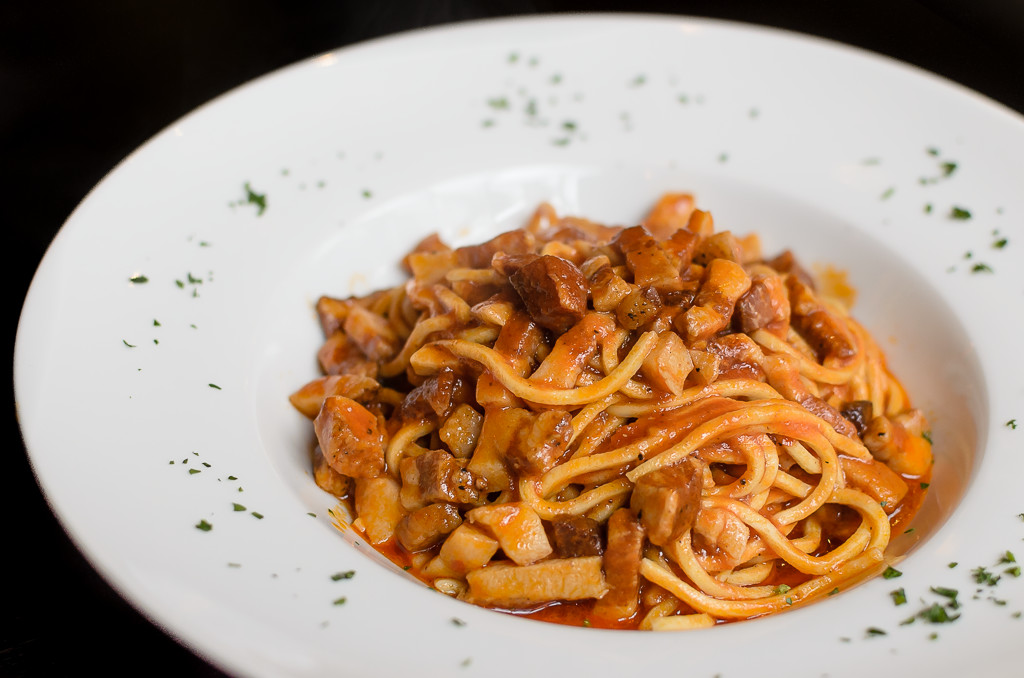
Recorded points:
(83, 84)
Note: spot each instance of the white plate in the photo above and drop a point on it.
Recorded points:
(462, 130)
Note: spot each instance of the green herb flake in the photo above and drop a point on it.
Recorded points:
(948, 168)
(347, 574)
(207, 465)
(782, 588)
(937, 614)
(258, 516)
(311, 514)
(983, 576)
(513, 57)
(215, 386)
(254, 198)
(933, 151)
(1012, 571)
(340, 601)
(237, 507)
(834, 591)
(556, 79)
(466, 662)
(944, 592)
(457, 622)
(1000, 244)
(487, 123)
(899, 597)
(367, 194)
(875, 631)
(586, 623)
(1012, 424)
(193, 471)
(909, 530)
(925, 486)
(981, 267)
(234, 565)
(232, 478)
(888, 193)
(127, 344)
(891, 573)
(204, 526)
(639, 80)
(959, 213)
(927, 435)
(138, 279)
(498, 103)
(927, 208)
(1008, 557)
(789, 601)
(933, 636)
(952, 565)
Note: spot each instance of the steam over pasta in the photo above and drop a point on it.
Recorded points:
(651, 427)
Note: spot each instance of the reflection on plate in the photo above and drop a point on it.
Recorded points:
(178, 301)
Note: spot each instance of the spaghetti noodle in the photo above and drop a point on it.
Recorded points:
(651, 427)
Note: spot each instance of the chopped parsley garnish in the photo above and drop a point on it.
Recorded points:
(1012, 571)
(1000, 244)
(948, 168)
(899, 596)
(586, 623)
(193, 471)
(1012, 424)
(789, 601)
(933, 151)
(258, 516)
(367, 194)
(925, 486)
(959, 213)
(945, 592)
(232, 478)
(952, 565)
(347, 574)
(340, 601)
(639, 80)
(127, 344)
(891, 573)
(214, 386)
(875, 631)
(204, 526)
(927, 435)
(834, 591)
(254, 198)
(156, 323)
(928, 208)
(888, 193)
(138, 279)
(983, 576)
(782, 588)
(937, 614)
(458, 622)
(1008, 557)
(981, 268)
(237, 507)
(498, 103)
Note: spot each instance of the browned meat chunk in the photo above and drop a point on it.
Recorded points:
(436, 397)
(436, 476)
(512, 242)
(607, 289)
(332, 313)
(680, 247)
(738, 357)
(650, 264)
(372, 334)
(667, 500)
(859, 413)
(787, 263)
(638, 307)
(540, 441)
(349, 438)
(340, 355)
(554, 291)
(670, 214)
(576, 536)
(724, 283)
(310, 398)
(622, 566)
(427, 526)
(328, 479)
(718, 246)
(822, 329)
(668, 364)
(764, 306)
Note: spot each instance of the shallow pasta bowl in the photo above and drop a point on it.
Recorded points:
(177, 301)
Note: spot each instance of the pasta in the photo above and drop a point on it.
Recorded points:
(652, 427)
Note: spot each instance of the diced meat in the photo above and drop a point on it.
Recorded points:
(540, 441)
(670, 214)
(622, 566)
(787, 263)
(572, 351)
(349, 438)
(668, 364)
(554, 291)
(718, 246)
(738, 357)
(436, 397)
(667, 500)
(496, 436)
(576, 536)
(512, 586)
(724, 283)
(764, 306)
(607, 289)
(378, 507)
(898, 442)
(650, 264)
(427, 526)
(722, 529)
(372, 334)
(701, 223)
(638, 307)
(461, 430)
(466, 549)
(518, 241)
(332, 313)
(876, 480)
(436, 476)
(859, 413)
(821, 327)
(328, 479)
(340, 355)
(517, 528)
(680, 247)
(310, 398)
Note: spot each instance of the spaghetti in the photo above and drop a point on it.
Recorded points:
(651, 427)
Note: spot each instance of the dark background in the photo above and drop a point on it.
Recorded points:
(82, 84)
